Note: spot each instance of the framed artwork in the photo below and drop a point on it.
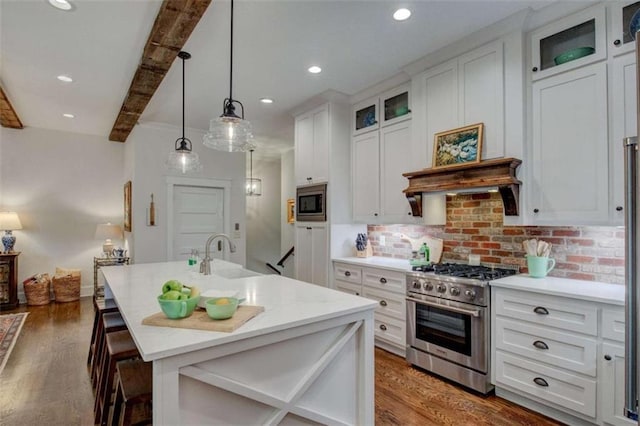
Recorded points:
(291, 210)
(127, 206)
(458, 146)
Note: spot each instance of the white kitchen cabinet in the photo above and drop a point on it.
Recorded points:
(613, 383)
(382, 110)
(569, 153)
(379, 159)
(312, 146)
(620, 39)
(385, 286)
(623, 124)
(582, 29)
(366, 116)
(466, 90)
(312, 253)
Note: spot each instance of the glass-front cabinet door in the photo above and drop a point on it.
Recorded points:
(568, 43)
(621, 40)
(366, 116)
(395, 105)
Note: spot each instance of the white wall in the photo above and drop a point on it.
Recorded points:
(288, 185)
(151, 144)
(263, 217)
(61, 185)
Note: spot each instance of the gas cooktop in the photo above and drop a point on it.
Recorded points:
(463, 270)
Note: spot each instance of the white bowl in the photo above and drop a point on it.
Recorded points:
(209, 294)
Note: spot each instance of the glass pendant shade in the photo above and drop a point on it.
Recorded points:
(230, 132)
(182, 158)
(253, 186)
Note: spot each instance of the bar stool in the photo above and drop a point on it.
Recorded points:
(100, 307)
(134, 388)
(111, 321)
(119, 346)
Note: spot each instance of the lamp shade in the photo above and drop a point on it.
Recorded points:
(106, 231)
(10, 221)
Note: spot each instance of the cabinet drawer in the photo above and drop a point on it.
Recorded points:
(348, 273)
(562, 388)
(348, 287)
(390, 329)
(613, 324)
(385, 280)
(391, 304)
(547, 345)
(548, 311)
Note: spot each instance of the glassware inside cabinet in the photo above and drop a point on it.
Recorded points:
(366, 117)
(396, 106)
(627, 12)
(567, 45)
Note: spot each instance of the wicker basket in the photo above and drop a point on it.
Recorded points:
(66, 288)
(37, 289)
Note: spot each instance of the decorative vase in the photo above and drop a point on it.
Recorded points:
(8, 240)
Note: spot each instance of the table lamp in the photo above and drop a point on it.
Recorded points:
(9, 221)
(107, 231)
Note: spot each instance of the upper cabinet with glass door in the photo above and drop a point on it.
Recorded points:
(366, 116)
(568, 43)
(621, 39)
(385, 109)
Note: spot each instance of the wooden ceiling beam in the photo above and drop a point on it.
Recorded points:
(173, 26)
(8, 116)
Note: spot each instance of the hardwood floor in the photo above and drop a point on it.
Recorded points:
(45, 381)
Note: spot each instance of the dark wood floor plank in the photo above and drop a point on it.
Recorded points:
(45, 381)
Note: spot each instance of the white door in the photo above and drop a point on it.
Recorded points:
(198, 212)
(366, 177)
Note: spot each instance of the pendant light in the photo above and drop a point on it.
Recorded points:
(254, 186)
(183, 158)
(230, 132)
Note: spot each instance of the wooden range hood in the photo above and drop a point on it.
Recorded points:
(500, 173)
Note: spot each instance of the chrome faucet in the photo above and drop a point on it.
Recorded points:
(205, 265)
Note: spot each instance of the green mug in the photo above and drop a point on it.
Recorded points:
(539, 267)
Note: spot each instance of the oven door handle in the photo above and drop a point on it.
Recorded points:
(475, 314)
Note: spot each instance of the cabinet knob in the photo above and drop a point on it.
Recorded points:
(616, 42)
(347, 274)
(383, 303)
(607, 357)
(540, 382)
(540, 310)
(619, 208)
(309, 228)
(534, 69)
(536, 210)
(375, 214)
(409, 213)
(540, 345)
(309, 179)
(383, 280)
(357, 294)
(383, 327)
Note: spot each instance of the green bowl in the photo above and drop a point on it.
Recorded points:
(572, 54)
(220, 312)
(176, 309)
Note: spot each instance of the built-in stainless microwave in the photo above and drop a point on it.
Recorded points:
(311, 203)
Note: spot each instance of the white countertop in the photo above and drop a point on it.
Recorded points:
(553, 286)
(401, 265)
(288, 303)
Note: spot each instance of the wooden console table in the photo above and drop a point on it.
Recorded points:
(9, 280)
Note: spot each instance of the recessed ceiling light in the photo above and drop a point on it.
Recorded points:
(61, 4)
(452, 194)
(266, 100)
(314, 69)
(65, 78)
(68, 115)
(401, 14)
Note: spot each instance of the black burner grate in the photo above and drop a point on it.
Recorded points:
(483, 273)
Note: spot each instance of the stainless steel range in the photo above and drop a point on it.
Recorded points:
(448, 321)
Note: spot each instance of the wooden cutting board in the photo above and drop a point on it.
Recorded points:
(199, 320)
(435, 246)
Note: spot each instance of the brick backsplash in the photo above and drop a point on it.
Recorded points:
(474, 226)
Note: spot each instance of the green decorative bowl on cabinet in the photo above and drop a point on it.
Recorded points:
(573, 54)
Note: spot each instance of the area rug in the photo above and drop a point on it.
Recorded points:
(10, 326)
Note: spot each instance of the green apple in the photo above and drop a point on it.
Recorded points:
(172, 295)
(184, 296)
(172, 285)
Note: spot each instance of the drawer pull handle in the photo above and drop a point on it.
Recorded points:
(383, 280)
(607, 357)
(541, 382)
(540, 310)
(383, 327)
(540, 344)
(347, 274)
(383, 303)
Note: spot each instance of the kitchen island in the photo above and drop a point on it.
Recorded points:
(307, 358)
